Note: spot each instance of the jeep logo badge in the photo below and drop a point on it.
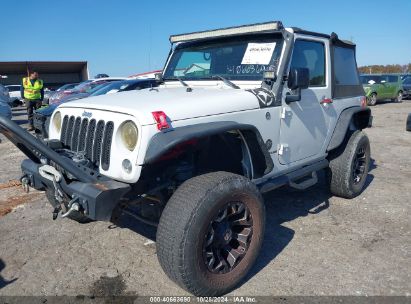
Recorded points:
(87, 114)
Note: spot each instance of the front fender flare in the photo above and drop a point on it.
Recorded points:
(165, 141)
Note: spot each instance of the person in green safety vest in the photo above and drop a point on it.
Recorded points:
(32, 91)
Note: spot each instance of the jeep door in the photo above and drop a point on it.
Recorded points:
(305, 123)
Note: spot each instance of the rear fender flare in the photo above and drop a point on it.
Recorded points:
(355, 118)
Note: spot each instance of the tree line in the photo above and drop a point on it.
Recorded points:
(383, 69)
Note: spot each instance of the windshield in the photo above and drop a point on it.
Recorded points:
(66, 87)
(92, 89)
(87, 87)
(244, 58)
(113, 86)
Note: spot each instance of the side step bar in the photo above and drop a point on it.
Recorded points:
(292, 177)
(306, 183)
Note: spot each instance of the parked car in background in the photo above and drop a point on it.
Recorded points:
(47, 94)
(80, 95)
(67, 86)
(145, 75)
(5, 110)
(112, 87)
(101, 76)
(382, 87)
(85, 86)
(42, 116)
(55, 94)
(126, 85)
(406, 85)
(4, 94)
(15, 95)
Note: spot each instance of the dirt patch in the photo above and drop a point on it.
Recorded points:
(108, 286)
(12, 202)
(10, 184)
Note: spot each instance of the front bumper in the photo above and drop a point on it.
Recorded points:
(97, 199)
(97, 195)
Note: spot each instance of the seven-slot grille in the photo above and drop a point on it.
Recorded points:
(89, 136)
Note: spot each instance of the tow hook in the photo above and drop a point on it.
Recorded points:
(73, 206)
(25, 183)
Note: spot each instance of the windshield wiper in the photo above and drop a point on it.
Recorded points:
(226, 81)
(183, 82)
(189, 89)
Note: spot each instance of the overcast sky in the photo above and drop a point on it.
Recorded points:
(124, 37)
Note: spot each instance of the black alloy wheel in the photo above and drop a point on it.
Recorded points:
(228, 238)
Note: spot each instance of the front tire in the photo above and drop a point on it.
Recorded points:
(211, 232)
(349, 166)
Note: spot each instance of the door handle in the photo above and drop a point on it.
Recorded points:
(326, 101)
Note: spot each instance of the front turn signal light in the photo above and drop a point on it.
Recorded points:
(161, 119)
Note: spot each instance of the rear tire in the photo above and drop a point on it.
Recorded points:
(211, 232)
(372, 99)
(399, 97)
(349, 166)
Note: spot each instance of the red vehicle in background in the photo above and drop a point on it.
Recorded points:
(83, 87)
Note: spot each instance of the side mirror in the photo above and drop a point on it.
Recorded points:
(158, 77)
(298, 79)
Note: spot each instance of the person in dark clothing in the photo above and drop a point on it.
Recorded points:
(32, 90)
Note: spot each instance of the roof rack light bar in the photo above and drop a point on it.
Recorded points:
(245, 29)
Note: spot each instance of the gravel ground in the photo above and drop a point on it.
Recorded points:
(315, 244)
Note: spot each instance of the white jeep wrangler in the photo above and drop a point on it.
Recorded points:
(238, 112)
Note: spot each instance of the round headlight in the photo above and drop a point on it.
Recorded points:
(129, 135)
(57, 121)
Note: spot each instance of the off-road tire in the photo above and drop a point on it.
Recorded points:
(372, 99)
(181, 233)
(341, 172)
(75, 216)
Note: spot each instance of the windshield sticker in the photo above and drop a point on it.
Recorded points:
(258, 53)
(249, 69)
